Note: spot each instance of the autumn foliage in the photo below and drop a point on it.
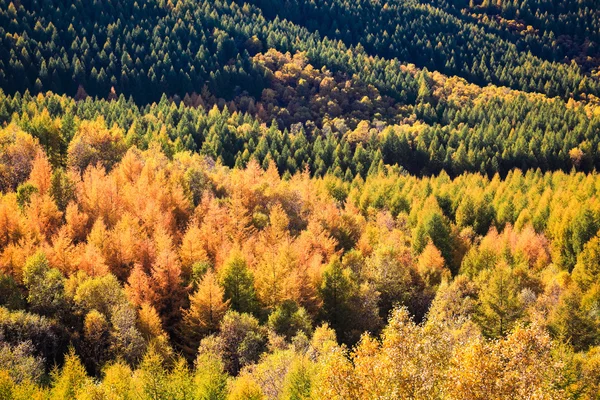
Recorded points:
(150, 258)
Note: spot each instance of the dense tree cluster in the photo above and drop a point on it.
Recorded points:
(178, 47)
(166, 48)
(441, 38)
(157, 261)
(300, 199)
(328, 124)
(552, 28)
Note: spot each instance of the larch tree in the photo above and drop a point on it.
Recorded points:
(41, 173)
(191, 250)
(499, 302)
(207, 308)
(238, 284)
(168, 287)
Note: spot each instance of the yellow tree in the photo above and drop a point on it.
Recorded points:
(410, 362)
(76, 222)
(207, 308)
(191, 250)
(121, 247)
(91, 260)
(11, 226)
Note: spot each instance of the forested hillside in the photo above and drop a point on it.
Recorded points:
(299, 199)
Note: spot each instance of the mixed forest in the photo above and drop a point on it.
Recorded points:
(299, 199)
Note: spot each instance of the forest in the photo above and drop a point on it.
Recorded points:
(299, 200)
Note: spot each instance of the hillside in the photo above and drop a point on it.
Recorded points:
(299, 199)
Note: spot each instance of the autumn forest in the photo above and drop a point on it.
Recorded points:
(299, 200)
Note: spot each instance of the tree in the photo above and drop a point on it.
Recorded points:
(96, 341)
(117, 381)
(94, 144)
(399, 365)
(43, 217)
(433, 227)
(62, 189)
(207, 309)
(574, 323)
(431, 266)
(45, 286)
(168, 292)
(238, 285)
(24, 193)
(126, 340)
(245, 388)
(391, 271)
(102, 294)
(10, 293)
(499, 302)
(587, 269)
(180, 381)
(151, 379)
(21, 363)
(70, 380)
(41, 173)
(289, 320)
(19, 150)
(191, 250)
(539, 368)
(336, 289)
(47, 131)
(210, 378)
(299, 380)
(242, 340)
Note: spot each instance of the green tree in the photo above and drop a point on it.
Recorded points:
(45, 286)
(210, 378)
(288, 319)
(238, 285)
(337, 287)
(499, 302)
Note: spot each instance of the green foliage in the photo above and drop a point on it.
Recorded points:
(180, 381)
(491, 133)
(117, 381)
(24, 193)
(299, 380)
(46, 336)
(433, 226)
(587, 270)
(11, 296)
(242, 340)
(336, 290)
(238, 284)
(126, 340)
(288, 320)
(62, 189)
(210, 379)
(21, 363)
(153, 377)
(96, 338)
(45, 286)
(499, 302)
